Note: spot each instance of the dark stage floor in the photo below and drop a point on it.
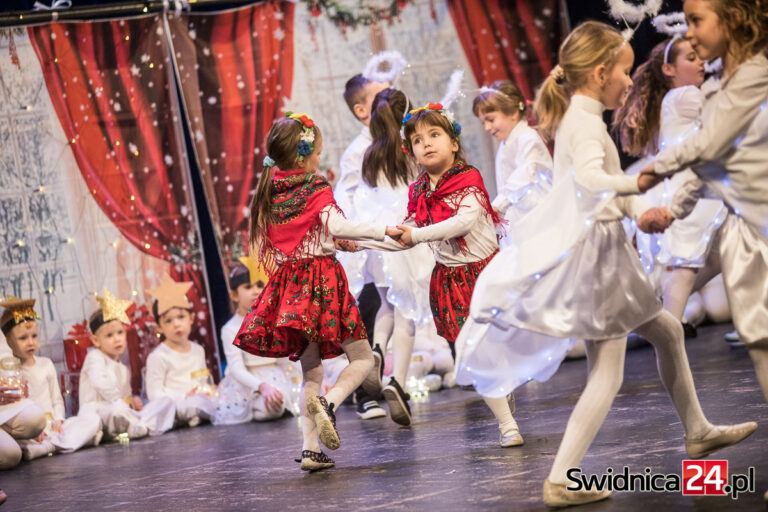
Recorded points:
(449, 460)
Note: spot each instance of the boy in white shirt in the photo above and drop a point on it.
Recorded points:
(105, 382)
(20, 418)
(60, 435)
(176, 368)
(254, 388)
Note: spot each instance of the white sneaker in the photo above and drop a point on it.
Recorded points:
(449, 380)
(193, 421)
(511, 438)
(433, 382)
(97, 437)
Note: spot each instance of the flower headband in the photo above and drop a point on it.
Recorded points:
(434, 107)
(307, 143)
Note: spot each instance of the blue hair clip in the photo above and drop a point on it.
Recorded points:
(269, 161)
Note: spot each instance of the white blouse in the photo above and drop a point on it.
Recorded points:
(169, 373)
(584, 147)
(730, 150)
(521, 157)
(102, 379)
(44, 386)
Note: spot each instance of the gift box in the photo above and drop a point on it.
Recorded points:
(76, 346)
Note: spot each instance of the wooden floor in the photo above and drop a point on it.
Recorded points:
(448, 460)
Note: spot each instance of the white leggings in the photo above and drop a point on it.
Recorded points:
(392, 327)
(606, 371)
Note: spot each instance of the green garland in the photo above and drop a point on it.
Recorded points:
(345, 17)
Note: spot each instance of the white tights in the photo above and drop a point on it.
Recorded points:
(360, 362)
(392, 327)
(606, 370)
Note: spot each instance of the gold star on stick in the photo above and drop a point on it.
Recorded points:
(171, 294)
(113, 308)
(255, 269)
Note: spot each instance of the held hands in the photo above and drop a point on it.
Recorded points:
(394, 233)
(655, 220)
(56, 426)
(647, 179)
(346, 245)
(273, 398)
(406, 239)
(136, 403)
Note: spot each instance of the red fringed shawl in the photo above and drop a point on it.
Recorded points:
(428, 206)
(297, 199)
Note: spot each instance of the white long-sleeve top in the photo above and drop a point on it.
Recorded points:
(730, 150)
(350, 169)
(338, 227)
(44, 387)
(240, 362)
(103, 380)
(471, 222)
(519, 160)
(584, 147)
(169, 373)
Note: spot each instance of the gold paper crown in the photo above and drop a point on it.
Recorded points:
(255, 269)
(113, 308)
(171, 294)
(16, 311)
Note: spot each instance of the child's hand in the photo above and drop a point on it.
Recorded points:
(136, 403)
(193, 391)
(56, 426)
(41, 437)
(647, 179)
(273, 398)
(394, 233)
(655, 220)
(406, 239)
(346, 245)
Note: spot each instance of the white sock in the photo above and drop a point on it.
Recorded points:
(500, 408)
(385, 321)
(312, 371)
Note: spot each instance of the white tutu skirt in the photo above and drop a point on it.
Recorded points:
(571, 278)
(405, 273)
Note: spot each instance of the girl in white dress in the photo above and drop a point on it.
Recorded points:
(728, 154)
(663, 108)
(401, 278)
(523, 162)
(584, 280)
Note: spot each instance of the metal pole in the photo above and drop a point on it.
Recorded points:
(115, 10)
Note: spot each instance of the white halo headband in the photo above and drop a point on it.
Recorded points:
(397, 65)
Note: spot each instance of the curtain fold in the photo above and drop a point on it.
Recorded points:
(235, 68)
(112, 89)
(515, 41)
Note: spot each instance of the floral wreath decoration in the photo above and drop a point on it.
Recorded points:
(307, 143)
(435, 107)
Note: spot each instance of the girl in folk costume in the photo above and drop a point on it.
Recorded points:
(401, 278)
(662, 109)
(584, 280)
(449, 208)
(306, 311)
(728, 154)
(523, 162)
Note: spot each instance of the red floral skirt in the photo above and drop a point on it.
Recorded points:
(450, 293)
(306, 301)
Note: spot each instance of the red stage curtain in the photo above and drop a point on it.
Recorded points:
(515, 41)
(111, 86)
(235, 67)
